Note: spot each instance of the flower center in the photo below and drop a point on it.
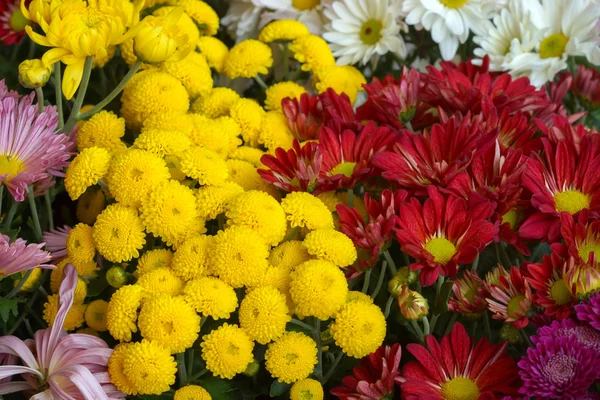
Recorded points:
(560, 368)
(460, 388)
(454, 3)
(17, 21)
(10, 166)
(305, 4)
(560, 293)
(571, 201)
(370, 32)
(514, 306)
(441, 249)
(511, 217)
(553, 45)
(345, 168)
(306, 395)
(587, 249)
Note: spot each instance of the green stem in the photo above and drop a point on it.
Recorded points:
(181, 369)
(190, 367)
(21, 318)
(408, 126)
(486, 326)
(367, 281)
(198, 375)
(40, 98)
(525, 337)
(451, 324)
(434, 320)
(260, 82)
(48, 202)
(405, 259)
(19, 284)
(475, 324)
(440, 282)
(301, 324)
(380, 280)
(286, 62)
(388, 306)
(34, 214)
(317, 339)
(350, 198)
(221, 221)
(87, 70)
(58, 95)
(418, 330)
(475, 263)
(502, 256)
(426, 327)
(391, 262)
(11, 215)
(329, 373)
(111, 95)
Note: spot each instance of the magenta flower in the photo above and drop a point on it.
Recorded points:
(31, 150)
(56, 242)
(57, 365)
(20, 256)
(589, 311)
(585, 335)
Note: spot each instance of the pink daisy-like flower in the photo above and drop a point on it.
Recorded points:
(20, 256)
(589, 311)
(12, 22)
(31, 150)
(56, 242)
(510, 297)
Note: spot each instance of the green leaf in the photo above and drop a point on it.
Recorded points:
(8, 306)
(220, 389)
(441, 300)
(155, 396)
(278, 388)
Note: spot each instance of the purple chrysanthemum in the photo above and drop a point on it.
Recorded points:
(589, 311)
(20, 256)
(584, 334)
(558, 368)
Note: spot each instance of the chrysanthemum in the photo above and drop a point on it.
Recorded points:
(75, 316)
(121, 313)
(249, 115)
(214, 50)
(248, 59)
(304, 116)
(12, 23)
(169, 120)
(245, 174)
(56, 242)
(95, 315)
(263, 314)
(191, 259)
(346, 80)
(289, 255)
(204, 165)
(103, 129)
(247, 153)
(115, 370)
(291, 357)
(469, 295)
(211, 297)
(193, 72)
(331, 245)
(90, 205)
(359, 328)
(31, 283)
(87, 271)
(149, 367)
(20, 257)
(80, 244)
(161, 280)
(217, 103)
(312, 52)
(510, 298)
(119, 233)
(586, 85)
(282, 90)
(88, 167)
(274, 132)
(203, 15)
(586, 336)
(283, 30)
(220, 134)
(153, 259)
(162, 142)
(212, 200)
(306, 389)
(192, 392)
(589, 311)
(306, 211)
(227, 351)
(457, 368)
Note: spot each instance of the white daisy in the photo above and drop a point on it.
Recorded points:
(363, 30)
(241, 19)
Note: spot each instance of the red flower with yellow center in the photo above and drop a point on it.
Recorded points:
(12, 22)
(581, 237)
(469, 295)
(510, 297)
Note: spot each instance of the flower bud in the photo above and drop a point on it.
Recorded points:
(510, 333)
(413, 306)
(252, 368)
(116, 276)
(404, 277)
(396, 285)
(33, 73)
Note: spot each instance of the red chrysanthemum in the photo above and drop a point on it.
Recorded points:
(443, 232)
(12, 22)
(338, 113)
(581, 237)
(586, 85)
(469, 295)
(374, 378)
(457, 368)
(510, 297)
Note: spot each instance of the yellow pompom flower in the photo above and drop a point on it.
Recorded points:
(152, 92)
(318, 289)
(32, 281)
(88, 331)
(212, 200)
(355, 295)
(313, 52)
(306, 211)
(191, 259)
(359, 328)
(259, 211)
(275, 132)
(133, 174)
(80, 291)
(264, 314)
(192, 392)
(103, 129)
(291, 357)
(330, 199)
(219, 135)
(169, 120)
(185, 25)
(245, 174)
(170, 322)
(247, 59)
(80, 244)
(331, 245)
(289, 255)
(115, 370)
(249, 115)
(90, 205)
(169, 211)
(307, 389)
(217, 103)
(95, 315)
(211, 297)
(174, 165)
(204, 165)
(342, 79)
(162, 142)
(88, 167)
(284, 30)
(193, 72)
(239, 256)
(88, 270)
(74, 319)
(276, 277)
(154, 259)
(121, 313)
(205, 17)
(227, 351)
(160, 280)
(280, 91)
(214, 50)
(250, 154)
(119, 233)
(149, 367)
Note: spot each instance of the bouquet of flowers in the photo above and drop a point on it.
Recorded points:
(300, 199)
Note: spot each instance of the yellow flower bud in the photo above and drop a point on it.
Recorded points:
(33, 73)
(252, 368)
(395, 286)
(413, 306)
(116, 276)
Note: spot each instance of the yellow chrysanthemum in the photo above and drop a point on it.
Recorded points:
(80, 244)
(260, 212)
(119, 233)
(291, 357)
(170, 322)
(88, 167)
(289, 255)
(185, 25)
(162, 142)
(153, 259)
(212, 200)
(88, 331)
(307, 389)
(318, 288)
(169, 120)
(205, 17)
(88, 270)
(169, 211)
(74, 319)
(95, 315)
(191, 260)
(275, 132)
(214, 50)
(115, 370)
(306, 211)
(249, 115)
(331, 245)
(239, 256)
(250, 154)
(160, 280)
(219, 135)
(90, 205)
(193, 72)
(217, 103)
(127, 53)
(152, 92)
(284, 30)
(100, 62)
(121, 313)
(264, 314)
(192, 392)
(32, 280)
(204, 165)
(345, 79)
(359, 328)
(313, 52)
(227, 351)
(280, 91)
(133, 173)
(276, 277)
(245, 174)
(211, 297)
(103, 129)
(355, 295)
(174, 165)
(149, 367)
(330, 199)
(80, 291)
(247, 59)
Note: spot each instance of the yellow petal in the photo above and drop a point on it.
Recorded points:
(72, 78)
(173, 17)
(36, 37)
(54, 55)
(24, 10)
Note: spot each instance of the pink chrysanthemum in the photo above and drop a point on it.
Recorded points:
(56, 242)
(589, 311)
(585, 335)
(510, 298)
(20, 256)
(469, 295)
(12, 22)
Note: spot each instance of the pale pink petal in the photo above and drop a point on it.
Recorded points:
(13, 387)
(16, 347)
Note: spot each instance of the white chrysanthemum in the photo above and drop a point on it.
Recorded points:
(362, 30)
(450, 21)
(242, 18)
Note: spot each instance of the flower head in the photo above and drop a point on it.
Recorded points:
(586, 335)
(212, 200)
(280, 91)
(12, 22)
(56, 242)
(215, 51)
(289, 255)
(359, 328)
(211, 297)
(307, 211)
(248, 59)
(148, 367)
(291, 357)
(217, 103)
(510, 297)
(306, 388)
(20, 257)
(95, 315)
(469, 295)
(119, 233)
(227, 351)
(264, 314)
(122, 312)
(283, 30)
(330, 245)
(88, 167)
(589, 311)
(312, 52)
(192, 392)
(103, 129)
(33, 73)
(193, 72)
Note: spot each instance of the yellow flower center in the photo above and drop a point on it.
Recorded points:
(10, 166)
(514, 306)
(460, 388)
(553, 46)
(305, 4)
(17, 21)
(571, 201)
(560, 293)
(441, 249)
(586, 249)
(454, 3)
(307, 395)
(345, 168)
(370, 32)
(511, 217)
